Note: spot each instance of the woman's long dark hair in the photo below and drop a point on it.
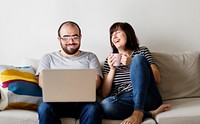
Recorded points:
(132, 42)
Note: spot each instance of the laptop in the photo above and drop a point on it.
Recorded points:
(69, 85)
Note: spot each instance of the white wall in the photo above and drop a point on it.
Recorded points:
(28, 28)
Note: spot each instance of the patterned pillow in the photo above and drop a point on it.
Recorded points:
(21, 87)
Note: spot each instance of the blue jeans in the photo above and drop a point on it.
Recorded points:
(88, 113)
(144, 96)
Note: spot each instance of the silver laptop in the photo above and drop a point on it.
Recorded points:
(69, 85)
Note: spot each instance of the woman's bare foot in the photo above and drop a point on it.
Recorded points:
(135, 118)
(162, 108)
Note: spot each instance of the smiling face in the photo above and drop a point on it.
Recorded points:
(122, 37)
(119, 39)
(70, 38)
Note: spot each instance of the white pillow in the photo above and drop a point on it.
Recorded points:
(33, 62)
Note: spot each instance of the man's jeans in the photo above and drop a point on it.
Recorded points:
(88, 113)
(144, 96)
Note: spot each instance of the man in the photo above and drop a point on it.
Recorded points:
(69, 57)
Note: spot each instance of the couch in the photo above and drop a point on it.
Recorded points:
(180, 86)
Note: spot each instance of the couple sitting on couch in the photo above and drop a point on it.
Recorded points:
(129, 89)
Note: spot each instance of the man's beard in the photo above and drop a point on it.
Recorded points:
(70, 51)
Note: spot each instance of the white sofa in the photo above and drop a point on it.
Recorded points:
(180, 86)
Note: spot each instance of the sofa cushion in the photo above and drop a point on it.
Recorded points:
(22, 90)
(146, 121)
(179, 73)
(184, 111)
(18, 117)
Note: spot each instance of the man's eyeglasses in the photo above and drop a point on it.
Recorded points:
(67, 38)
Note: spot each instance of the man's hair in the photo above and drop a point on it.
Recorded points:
(132, 41)
(70, 23)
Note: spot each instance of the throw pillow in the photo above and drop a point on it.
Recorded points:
(23, 91)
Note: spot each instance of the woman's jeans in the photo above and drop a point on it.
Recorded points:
(144, 96)
(87, 113)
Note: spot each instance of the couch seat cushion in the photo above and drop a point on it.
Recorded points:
(25, 117)
(18, 117)
(184, 111)
(146, 121)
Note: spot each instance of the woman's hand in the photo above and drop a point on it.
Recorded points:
(126, 59)
(111, 61)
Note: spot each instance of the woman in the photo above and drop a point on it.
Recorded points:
(130, 88)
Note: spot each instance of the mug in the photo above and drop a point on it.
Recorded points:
(117, 59)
